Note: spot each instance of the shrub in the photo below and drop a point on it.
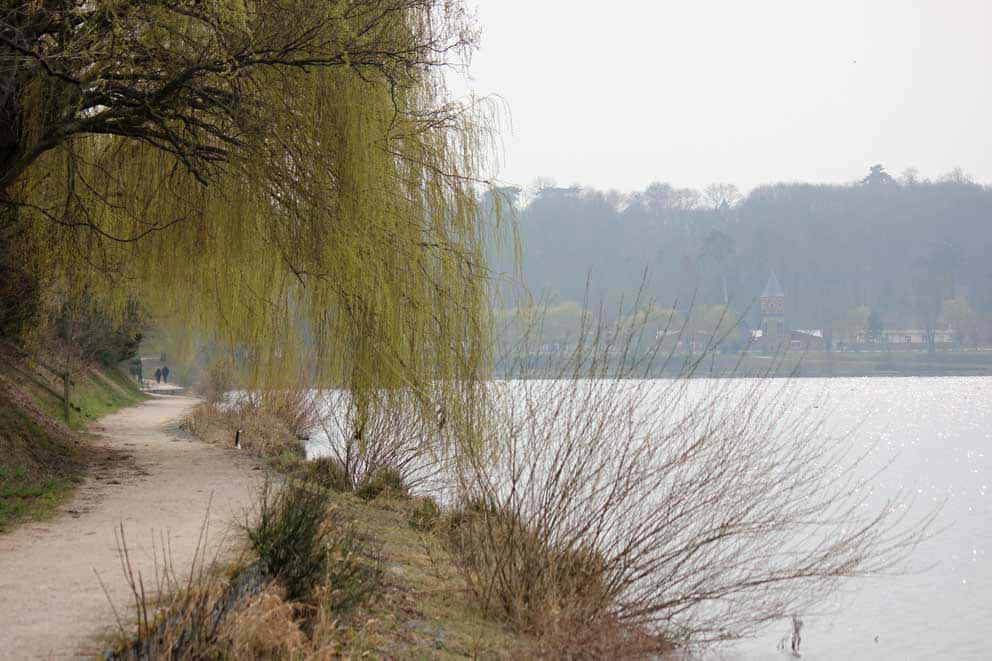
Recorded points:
(391, 430)
(329, 473)
(262, 434)
(603, 501)
(294, 408)
(384, 481)
(215, 381)
(425, 514)
(529, 580)
(290, 536)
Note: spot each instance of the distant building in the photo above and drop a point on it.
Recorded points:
(908, 338)
(807, 340)
(772, 314)
(774, 334)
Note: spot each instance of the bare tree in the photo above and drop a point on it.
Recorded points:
(719, 195)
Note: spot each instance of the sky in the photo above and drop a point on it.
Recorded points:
(619, 94)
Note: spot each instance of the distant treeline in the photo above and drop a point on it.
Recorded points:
(880, 253)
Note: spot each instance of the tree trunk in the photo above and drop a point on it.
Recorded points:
(66, 389)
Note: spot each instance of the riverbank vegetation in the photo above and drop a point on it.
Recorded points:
(602, 514)
(324, 574)
(291, 185)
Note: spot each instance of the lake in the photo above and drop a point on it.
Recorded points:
(934, 434)
(939, 431)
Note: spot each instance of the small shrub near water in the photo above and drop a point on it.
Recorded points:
(290, 537)
(425, 514)
(555, 591)
(352, 576)
(329, 473)
(385, 481)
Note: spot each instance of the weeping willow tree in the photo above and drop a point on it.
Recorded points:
(287, 176)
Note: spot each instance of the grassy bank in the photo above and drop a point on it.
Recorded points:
(327, 570)
(43, 452)
(365, 581)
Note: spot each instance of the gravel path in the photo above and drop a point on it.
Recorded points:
(154, 482)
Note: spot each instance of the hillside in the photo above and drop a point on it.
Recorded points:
(42, 452)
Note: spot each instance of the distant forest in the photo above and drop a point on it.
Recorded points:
(882, 252)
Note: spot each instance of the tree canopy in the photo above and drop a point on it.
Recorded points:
(264, 171)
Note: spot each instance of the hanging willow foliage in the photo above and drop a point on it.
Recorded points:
(286, 176)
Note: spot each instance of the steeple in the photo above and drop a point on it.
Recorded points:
(772, 288)
(773, 313)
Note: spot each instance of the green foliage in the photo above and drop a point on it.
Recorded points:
(854, 321)
(316, 221)
(834, 247)
(958, 314)
(874, 325)
(713, 325)
(95, 394)
(23, 496)
(290, 537)
(20, 285)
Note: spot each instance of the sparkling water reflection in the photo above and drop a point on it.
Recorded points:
(934, 436)
(938, 432)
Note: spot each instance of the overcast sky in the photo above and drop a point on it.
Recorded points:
(619, 94)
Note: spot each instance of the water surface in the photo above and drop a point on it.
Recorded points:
(936, 433)
(938, 430)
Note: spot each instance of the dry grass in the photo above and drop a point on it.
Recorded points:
(177, 616)
(267, 627)
(384, 590)
(261, 432)
(269, 422)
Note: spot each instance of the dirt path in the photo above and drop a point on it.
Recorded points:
(51, 603)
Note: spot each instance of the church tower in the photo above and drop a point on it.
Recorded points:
(773, 313)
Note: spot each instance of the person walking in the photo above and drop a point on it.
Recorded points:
(158, 375)
(165, 373)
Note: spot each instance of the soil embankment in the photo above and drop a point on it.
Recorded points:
(155, 482)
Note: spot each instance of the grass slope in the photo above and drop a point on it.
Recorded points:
(423, 609)
(43, 455)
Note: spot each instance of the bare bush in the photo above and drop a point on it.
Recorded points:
(682, 511)
(389, 442)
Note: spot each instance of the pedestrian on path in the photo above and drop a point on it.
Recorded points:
(158, 375)
(165, 373)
